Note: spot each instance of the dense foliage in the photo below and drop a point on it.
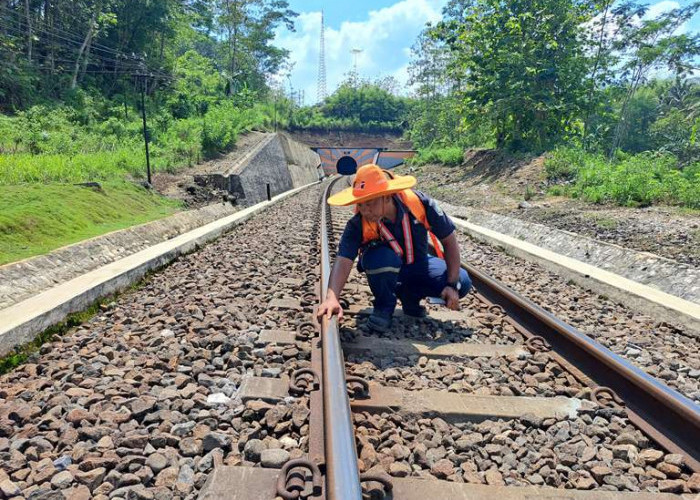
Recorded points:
(59, 144)
(531, 75)
(632, 180)
(358, 105)
(579, 77)
(48, 48)
(70, 83)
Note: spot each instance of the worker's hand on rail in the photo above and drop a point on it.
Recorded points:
(451, 298)
(329, 307)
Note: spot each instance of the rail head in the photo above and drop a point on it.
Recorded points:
(342, 472)
(667, 416)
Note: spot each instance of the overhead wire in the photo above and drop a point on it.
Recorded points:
(121, 66)
(19, 25)
(52, 30)
(18, 29)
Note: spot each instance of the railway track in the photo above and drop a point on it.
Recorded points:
(211, 380)
(559, 410)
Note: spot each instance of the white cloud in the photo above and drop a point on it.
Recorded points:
(661, 7)
(385, 38)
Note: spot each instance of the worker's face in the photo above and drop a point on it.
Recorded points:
(372, 210)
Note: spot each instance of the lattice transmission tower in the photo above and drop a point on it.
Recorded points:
(322, 93)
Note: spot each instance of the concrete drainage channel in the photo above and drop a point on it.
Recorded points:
(644, 282)
(543, 427)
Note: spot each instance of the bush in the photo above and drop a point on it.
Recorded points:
(450, 156)
(639, 180)
(47, 145)
(631, 180)
(101, 165)
(562, 164)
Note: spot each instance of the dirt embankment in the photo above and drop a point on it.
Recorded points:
(340, 138)
(517, 186)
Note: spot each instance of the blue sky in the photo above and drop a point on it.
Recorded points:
(384, 29)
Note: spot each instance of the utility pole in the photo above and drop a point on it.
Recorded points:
(142, 81)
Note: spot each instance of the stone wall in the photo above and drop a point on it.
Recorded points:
(20, 280)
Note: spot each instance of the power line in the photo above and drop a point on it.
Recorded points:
(93, 58)
(122, 58)
(19, 27)
(52, 30)
(18, 32)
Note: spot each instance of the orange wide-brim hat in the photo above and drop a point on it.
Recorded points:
(371, 182)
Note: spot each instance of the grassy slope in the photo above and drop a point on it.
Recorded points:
(74, 213)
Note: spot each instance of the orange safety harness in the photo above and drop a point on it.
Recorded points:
(373, 231)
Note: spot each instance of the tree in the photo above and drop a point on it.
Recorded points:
(521, 65)
(248, 27)
(51, 48)
(650, 44)
(198, 85)
(364, 103)
(434, 117)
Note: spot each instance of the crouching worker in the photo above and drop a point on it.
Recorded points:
(390, 232)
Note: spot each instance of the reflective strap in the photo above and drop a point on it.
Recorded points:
(382, 270)
(437, 245)
(386, 234)
(408, 238)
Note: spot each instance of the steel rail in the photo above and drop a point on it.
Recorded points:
(664, 414)
(342, 473)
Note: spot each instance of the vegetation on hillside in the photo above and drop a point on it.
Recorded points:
(70, 83)
(357, 105)
(579, 77)
(74, 79)
(36, 218)
(546, 75)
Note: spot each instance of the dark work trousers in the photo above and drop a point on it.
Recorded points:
(390, 278)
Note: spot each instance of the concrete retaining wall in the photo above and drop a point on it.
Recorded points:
(301, 160)
(277, 161)
(652, 270)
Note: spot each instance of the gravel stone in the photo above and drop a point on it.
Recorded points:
(253, 450)
(216, 440)
(274, 458)
(62, 480)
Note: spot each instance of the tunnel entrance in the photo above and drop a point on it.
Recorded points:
(346, 165)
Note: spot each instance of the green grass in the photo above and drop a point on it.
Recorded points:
(450, 156)
(44, 151)
(47, 145)
(629, 180)
(38, 218)
(95, 166)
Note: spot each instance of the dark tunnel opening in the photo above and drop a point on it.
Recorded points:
(346, 165)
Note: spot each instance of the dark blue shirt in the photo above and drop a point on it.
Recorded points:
(440, 225)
